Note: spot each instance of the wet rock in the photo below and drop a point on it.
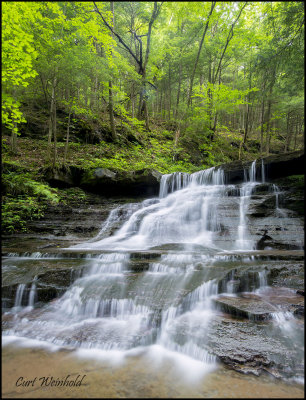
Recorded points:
(290, 275)
(50, 282)
(262, 305)
(145, 256)
(251, 347)
(185, 247)
(299, 311)
(252, 308)
(138, 266)
(276, 166)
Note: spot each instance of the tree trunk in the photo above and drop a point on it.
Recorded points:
(14, 139)
(296, 132)
(54, 136)
(248, 110)
(268, 131)
(178, 90)
(110, 91)
(52, 121)
(169, 90)
(198, 54)
(67, 135)
(262, 125)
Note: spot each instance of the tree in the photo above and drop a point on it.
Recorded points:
(141, 59)
(18, 55)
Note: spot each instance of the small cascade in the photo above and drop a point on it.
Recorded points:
(263, 175)
(279, 211)
(116, 215)
(19, 295)
(179, 180)
(252, 172)
(285, 321)
(154, 275)
(243, 242)
(195, 307)
(262, 275)
(32, 293)
(172, 182)
(211, 176)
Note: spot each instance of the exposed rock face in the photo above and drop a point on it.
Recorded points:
(276, 166)
(248, 347)
(143, 182)
(105, 182)
(251, 294)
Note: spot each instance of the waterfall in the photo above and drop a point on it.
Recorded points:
(187, 211)
(32, 293)
(172, 182)
(162, 266)
(263, 176)
(243, 241)
(19, 295)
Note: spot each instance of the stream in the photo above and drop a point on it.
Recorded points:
(180, 290)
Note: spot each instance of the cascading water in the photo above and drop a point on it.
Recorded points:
(243, 241)
(170, 303)
(19, 295)
(32, 293)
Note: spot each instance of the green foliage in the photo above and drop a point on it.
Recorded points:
(17, 211)
(22, 183)
(64, 51)
(72, 195)
(25, 199)
(18, 54)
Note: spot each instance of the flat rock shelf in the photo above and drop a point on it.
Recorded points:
(192, 282)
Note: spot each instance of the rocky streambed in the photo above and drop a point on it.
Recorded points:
(242, 308)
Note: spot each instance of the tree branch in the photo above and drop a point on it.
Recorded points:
(119, 38)
(229, 37)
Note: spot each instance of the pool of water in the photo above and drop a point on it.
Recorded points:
(137, 376)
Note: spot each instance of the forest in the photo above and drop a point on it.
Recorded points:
(172, 86)
(152, 223)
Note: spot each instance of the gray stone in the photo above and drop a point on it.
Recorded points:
(104, 173)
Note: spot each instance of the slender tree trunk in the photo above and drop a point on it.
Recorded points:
(52, 121)
(110, 90)
(54, 136)
(198, 54)
(161, 102)
(14, 139)
(296, 131)
(268, 131)
(67, 134)
(288, 136)
(248, 110)
(178, 90)
(169, 90)
(262, 125)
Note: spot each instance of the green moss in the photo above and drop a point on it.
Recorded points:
(297, 181)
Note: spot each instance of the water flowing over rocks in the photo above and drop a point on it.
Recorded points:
(208, 269)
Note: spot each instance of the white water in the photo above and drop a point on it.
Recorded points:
(186, 212)
(19, 295)
(169, 306)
